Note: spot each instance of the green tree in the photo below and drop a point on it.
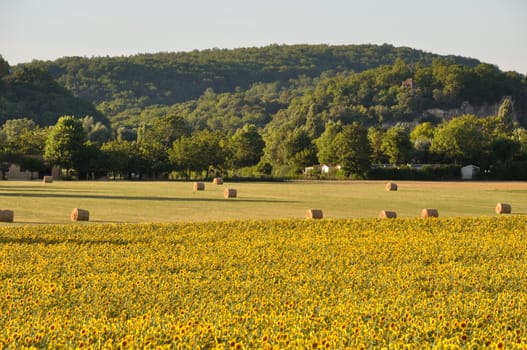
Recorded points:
(247, 146)
(97, 132)
(91, 163)
(32, 142)
(22, 143)
(421, 137)
(504, 149)
(375, 136)
(14, 127)
(298, 149)
(65, 144)
(327, 149)
(201, 152)
(122, 158)
(397, 146)
(185, 155)
(4, 67)
(353, 149)
(157, 138)
(422, 131)
(505, 113)
(459, 140)
(520, 135)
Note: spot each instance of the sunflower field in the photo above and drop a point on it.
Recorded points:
(291, 283)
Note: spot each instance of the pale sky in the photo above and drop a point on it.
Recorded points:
(493, 31)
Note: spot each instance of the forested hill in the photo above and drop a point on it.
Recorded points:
(275, 110)
(115, 84)
(31, 92)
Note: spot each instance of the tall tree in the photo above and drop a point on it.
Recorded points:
(375, 136)
(123, 158)
(200, 153)
(65, 144)
(396, 145)
(459, 140)
(247, 146)
(505, 113)
(354, 149)
(298, 149)
(14, 127)
(421, 137)
(327, 149)
(97, 132)
(4, 67)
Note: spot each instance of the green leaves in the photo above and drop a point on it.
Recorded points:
(65, 143)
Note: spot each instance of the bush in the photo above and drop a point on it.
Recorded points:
(446, 172)
(512, 170)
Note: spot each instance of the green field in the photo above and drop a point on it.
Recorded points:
(127, 202)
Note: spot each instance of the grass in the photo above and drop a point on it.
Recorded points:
(118, 202)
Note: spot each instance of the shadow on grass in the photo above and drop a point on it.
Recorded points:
(141, 198)
(33, 189)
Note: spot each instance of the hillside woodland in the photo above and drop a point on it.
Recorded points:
(270, 111)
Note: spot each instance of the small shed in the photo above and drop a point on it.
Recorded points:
(468, 172)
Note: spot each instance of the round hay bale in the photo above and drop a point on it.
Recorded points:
(503, 208)
(80, 215)
(199, 186)
(391, 186)
(387, 214)
(429, 213)
(230, 193)
(217, 181)
(48, 179)
(314, 214)
(6, 215)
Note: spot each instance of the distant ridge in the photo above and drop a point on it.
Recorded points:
(167, 78)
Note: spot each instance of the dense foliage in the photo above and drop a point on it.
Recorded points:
(412, 283)
(185, 114)
(118, 83)
(31, 92)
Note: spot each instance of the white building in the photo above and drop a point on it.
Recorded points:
(468, 172)
(16, 172)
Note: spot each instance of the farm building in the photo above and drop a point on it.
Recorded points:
(320, 169)
(17, 172)
(468, 172)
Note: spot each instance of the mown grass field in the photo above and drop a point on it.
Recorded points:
(129, 202)
(452, 283)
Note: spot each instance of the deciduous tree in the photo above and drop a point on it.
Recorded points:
(459, 140)
(65, 144)
(247, 146)
(396, 145)
(353, 149)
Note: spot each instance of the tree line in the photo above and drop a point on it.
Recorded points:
(170, 149)
(355, 106)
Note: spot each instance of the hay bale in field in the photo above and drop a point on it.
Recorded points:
(217, 181)
(503, 208)
(80, 215)
(387, 214)
(429, 213)
(314, 214)
(199, 186)
(230, 193)
(48, 179)
(391, 186)
(6, 215)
